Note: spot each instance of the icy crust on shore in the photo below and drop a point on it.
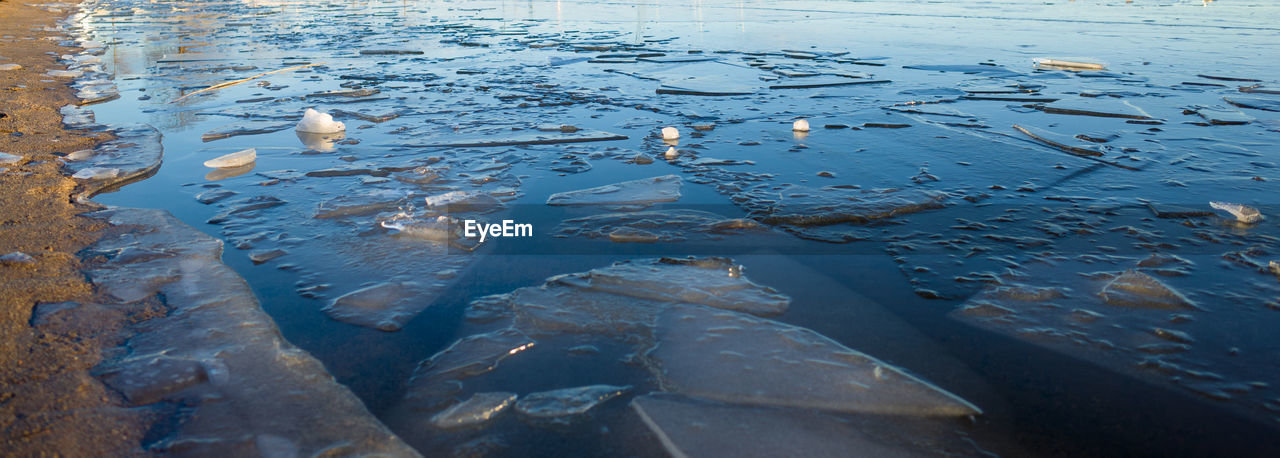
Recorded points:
(135, 154)
(214, 366)
(690, 327)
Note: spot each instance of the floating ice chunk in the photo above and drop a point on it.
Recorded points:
(96, 173)
(1136, 289)
(360, 205)
(671, 153)
(1243, 213)
(7, 159)
(665, 188)
(740, 359)
(689, 428)
(670, 133)
(568, 402)
(714, 282)
(231, 172)
(464, 201)
(479, 409)
(801, 125)
(439, 229)
(1099, 107)
(384, 306)
(315, 122)
(1067, 64)
(7, 67)
(1223, 116)
(235, 159)
(259, 257)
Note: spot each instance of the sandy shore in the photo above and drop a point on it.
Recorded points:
(49, 402)
(97, 356)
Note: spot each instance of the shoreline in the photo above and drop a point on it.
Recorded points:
(50, 399)
(113, 343)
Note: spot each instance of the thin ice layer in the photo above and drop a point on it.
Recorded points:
(820, 207)
(136, 152)
(714, 282)
(741, 359)
(384, 306)
(664, 188)
(218, 354)
(1136, 289)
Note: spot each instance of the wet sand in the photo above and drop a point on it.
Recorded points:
(49, 402)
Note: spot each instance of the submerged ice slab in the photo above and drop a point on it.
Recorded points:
(664, 188)
(1136, 289)
(741, 359)
(470, 356)
(384, 306)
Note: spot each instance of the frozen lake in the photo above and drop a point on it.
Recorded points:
(967, 251)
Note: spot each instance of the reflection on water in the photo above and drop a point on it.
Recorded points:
(932, 261)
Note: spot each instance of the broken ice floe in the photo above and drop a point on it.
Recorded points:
(564, 404)
(644, 191)
(477, 410)
(757, 361)
(134, 154)
(684, 323)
